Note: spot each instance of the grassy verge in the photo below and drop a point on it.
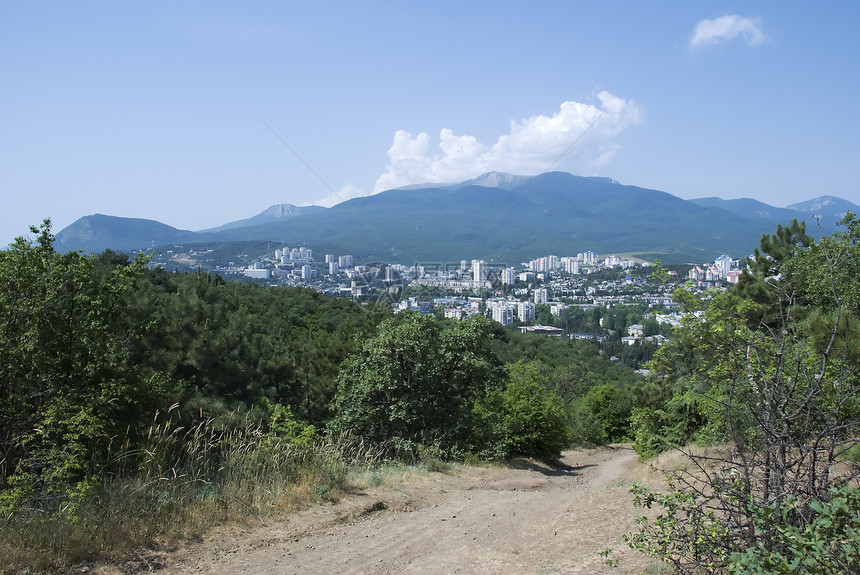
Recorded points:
(180, 483)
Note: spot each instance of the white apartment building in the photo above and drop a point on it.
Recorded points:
(570, 265)
(526, 311)
(503, 313)
(453, 313)
(479, 270)
(724, 264)
(589, 258)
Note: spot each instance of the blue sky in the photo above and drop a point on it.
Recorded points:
(176, 111)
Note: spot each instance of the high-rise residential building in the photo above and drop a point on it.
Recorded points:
(503, 313)
(479, 270)
(612, 261)
(541, 295)
(696, 274)
(526, 311)
(724, 264)
(508, 276)
(344, 261)
(332, 268)
(570, 265)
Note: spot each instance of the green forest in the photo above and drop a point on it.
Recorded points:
(129, 394)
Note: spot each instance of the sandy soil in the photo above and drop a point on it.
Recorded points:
(524, 519)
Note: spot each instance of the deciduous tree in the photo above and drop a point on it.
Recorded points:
(783, 394)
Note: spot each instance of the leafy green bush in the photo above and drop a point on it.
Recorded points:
(830, 543)
(685, 532)
(68, 387)
(696, 539)
(525, 418)
(416, 381)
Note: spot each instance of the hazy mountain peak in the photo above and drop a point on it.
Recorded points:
(827, 207)
(278, 211)
(497, 180)
(97, 232)
(817, 204)
(273, 213)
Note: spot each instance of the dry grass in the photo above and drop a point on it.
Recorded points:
(180, 484)
(680, 460)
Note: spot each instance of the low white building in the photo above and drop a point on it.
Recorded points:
(453, 313)
(256, 273)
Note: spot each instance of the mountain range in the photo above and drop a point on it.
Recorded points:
(498, 217)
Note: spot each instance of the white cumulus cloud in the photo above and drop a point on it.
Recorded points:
(727, 28)
(579, 137)
(347, 192)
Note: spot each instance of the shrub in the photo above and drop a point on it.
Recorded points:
(525, 418)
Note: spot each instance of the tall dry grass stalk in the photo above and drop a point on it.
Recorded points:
(182, 481)
(654, 471)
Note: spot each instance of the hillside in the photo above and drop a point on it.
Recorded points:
(829, 208)
(275, 213)
(825, 211)
(552, 213)
(496, 217)
(98, 232)
(750, 209)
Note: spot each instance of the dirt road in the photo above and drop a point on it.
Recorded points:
(529, 519)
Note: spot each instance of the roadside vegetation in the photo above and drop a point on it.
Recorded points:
(140, 407)
(759, 391)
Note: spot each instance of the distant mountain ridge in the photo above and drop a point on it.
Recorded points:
(274, 213)
(98, 232)
(747, 207)
(498, 217)
(826, 207)
(496, 180)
